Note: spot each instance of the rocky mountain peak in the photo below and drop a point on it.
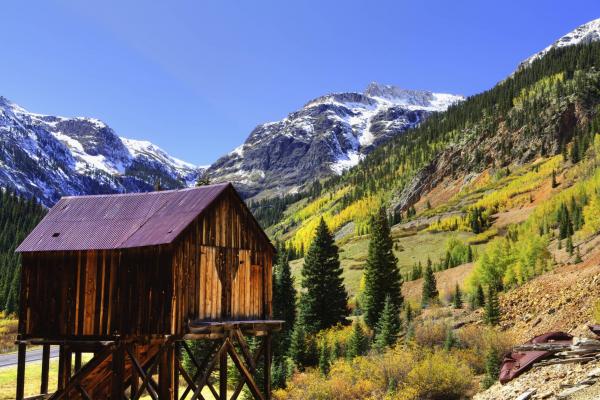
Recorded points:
(586, 33)
(50, 156)
(328, 135)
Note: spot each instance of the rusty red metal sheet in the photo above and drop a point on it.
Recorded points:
(517, 362)
(119, 221)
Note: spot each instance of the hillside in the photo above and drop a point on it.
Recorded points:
(537, 113)
(513, 175)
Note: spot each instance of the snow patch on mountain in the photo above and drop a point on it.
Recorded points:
(586, 33)
(328, 135)
(50, 156)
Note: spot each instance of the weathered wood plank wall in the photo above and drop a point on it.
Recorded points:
(218, 269)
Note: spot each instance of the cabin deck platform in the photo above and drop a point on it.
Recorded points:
(126, 364)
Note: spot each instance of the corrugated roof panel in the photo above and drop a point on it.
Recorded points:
(119, 221)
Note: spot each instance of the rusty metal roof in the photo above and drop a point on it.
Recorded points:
(119, 221)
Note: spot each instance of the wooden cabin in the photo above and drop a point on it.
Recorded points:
(166, 264)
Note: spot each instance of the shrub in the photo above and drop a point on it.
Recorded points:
(439, 376)
(477, 342)
(400, 373)
(596, 312)
(431, 333)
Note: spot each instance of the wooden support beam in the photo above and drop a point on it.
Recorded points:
(165, 373)
(146, 375)
(68, 367)
(45, 369)
(211, 365)
(267, 367)
(83, 372)
(200, 367)
(118, 373)
(223, 376)
(64, 367)
(61, 368)
(132, 350)
(22, 352)
(246, 374)
(77, 361)
(251, 369)
(175, 371)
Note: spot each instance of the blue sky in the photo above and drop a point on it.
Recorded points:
(196, 77)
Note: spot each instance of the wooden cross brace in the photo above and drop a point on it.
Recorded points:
(246, 364)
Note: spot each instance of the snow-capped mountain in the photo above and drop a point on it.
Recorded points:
(327, 136)
(49, 156)
(586, 33)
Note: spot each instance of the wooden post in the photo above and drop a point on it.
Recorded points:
(267, 367)
(62, 381)
(176, 351)
(64, 367)
(77, 361)
(165, 373)
(45, 368)
(68, 368)
(118, 374)
(135, 377)
(21, 371)
(223, 376)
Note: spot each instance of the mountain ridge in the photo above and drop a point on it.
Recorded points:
(328, 135)
(50, 156)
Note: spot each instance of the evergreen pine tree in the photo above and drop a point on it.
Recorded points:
(298, 350)
(388, 326)
(336, 350)
(382, 276)
(284, 301)
(430, 293)
(570, 245)
(450, 340)
(312, 351)
(479, 296)
(324, 358)
(492, 368)
(408, 313)
(554, 183)
(358, 342)
(324, 300)
(457, 301)
(492, 307)
(278, 373)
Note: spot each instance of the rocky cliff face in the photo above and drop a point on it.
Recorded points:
(325, 137)
(49, 156)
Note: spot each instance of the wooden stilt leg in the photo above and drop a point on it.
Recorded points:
(118, 372)
(267, 367)
(165, 373)
(21, 371)
(68, 368)
(135, 376)
(175, 371)
(45, 368)
(77, 361)
(223, 376)
(61, 367)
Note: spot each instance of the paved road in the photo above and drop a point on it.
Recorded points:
(7, 360)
